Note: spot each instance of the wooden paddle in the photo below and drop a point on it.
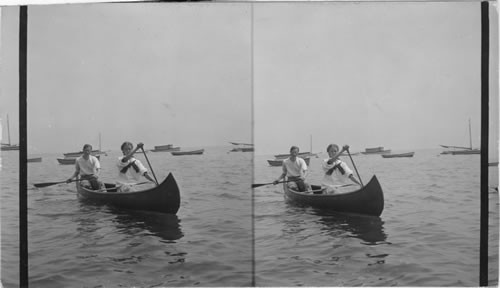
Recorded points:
(40, 185)
(153, 172)
(360, 181)
(258, 185)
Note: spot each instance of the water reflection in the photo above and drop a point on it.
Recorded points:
(165, 226)
(369, 229)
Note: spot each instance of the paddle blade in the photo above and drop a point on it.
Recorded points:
(40, 185)
(258, 185)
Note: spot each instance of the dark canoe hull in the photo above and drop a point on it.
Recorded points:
(164, 198)
(166, 149)
(32, 160)
(368, 200)
(194, 152)
(280, 162)
(409, 154)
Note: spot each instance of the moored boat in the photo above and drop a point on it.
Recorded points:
(368, 200)
(242, 149)
(71, 160)
(8, 146)
(165, 149)
(78, 154)
(193, 152)
(284, 156)
(34, 159)
(163, 198)
(376, 150)
(279, 162)
(408, 154)
(466, 152)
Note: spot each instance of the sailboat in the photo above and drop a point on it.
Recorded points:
(93, 152)
(463, 150)
(8, 146)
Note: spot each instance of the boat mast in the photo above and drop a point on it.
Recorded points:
(100, 141)
(8, 128)
(470, 136)
(311, 145)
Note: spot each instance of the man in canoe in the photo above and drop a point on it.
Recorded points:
(88, 167)
(337, 172)
(295, 169)
(130, 169)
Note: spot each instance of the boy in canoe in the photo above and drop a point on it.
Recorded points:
(337, 173)
(295, 169)
(88, 167)
(130, 169)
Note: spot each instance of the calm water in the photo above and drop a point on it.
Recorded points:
(208, 243)
(428, 234)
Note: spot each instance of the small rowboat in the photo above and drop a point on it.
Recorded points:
(409, 154)
(284, 156)
(163, 198)
(242, 149)
(35, 159)
(194, 152)
(71, 160)
(166, 149)
(368, 200)
(466, 152)
(278, 162)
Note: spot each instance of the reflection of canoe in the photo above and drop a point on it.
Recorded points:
(71, 160)
(165, 226)
(367, 200)
(409, 154)
(368, 229)
(194, 152)
(164, 198)
(280, 162)
(284, 156)
(35, 159)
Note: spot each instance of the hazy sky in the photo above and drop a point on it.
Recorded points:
(396, 74)
(154, 73)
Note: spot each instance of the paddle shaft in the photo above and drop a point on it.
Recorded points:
(41, 185)
(150, 167)
(258, 185)
(356, 169)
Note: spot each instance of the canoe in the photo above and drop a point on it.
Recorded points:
(71, 160)
(194, 152)
(284, 156)
(368, 200)
(236, 143)
(164, 198)
(166, 149)
(280, 162)
(35, 159)
(409, 154)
